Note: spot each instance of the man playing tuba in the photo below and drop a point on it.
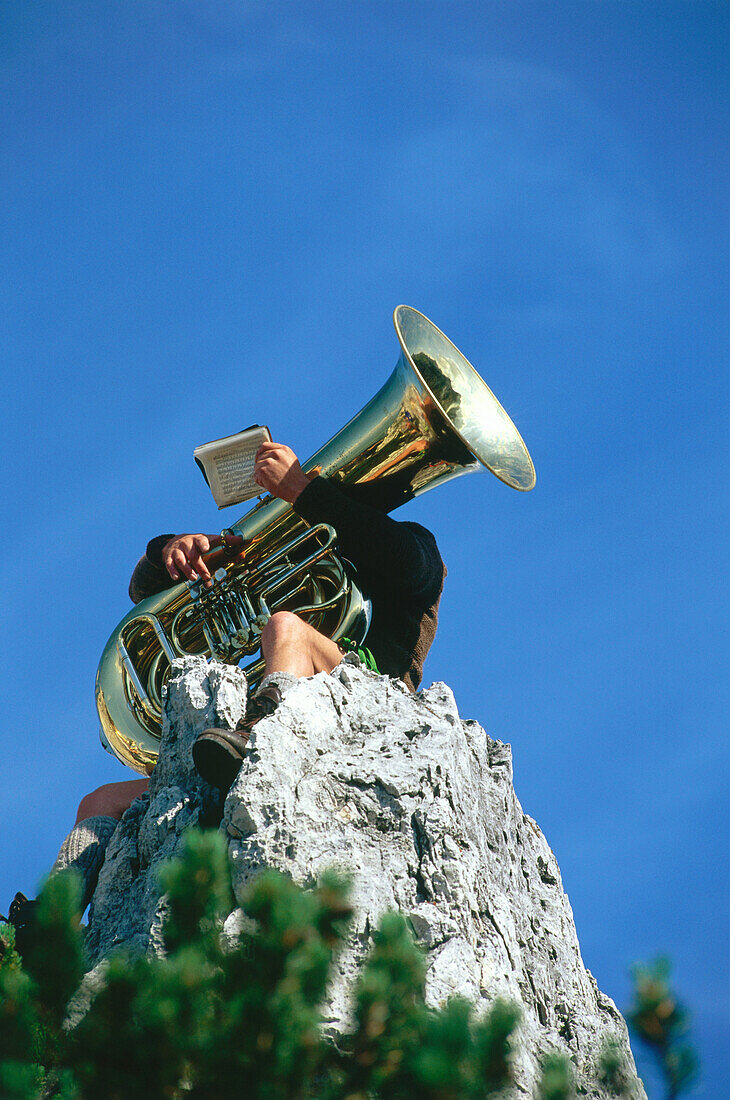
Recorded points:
(446, 421)
(399, 569)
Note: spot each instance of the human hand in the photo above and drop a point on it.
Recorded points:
(278, 471)
(184, 554)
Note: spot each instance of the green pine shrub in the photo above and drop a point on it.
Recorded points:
(661, 1022)
(214, 1019)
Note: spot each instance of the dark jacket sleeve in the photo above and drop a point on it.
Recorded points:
(377, 545)
(150, 576)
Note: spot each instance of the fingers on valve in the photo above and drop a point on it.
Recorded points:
(201, 545)
(181, 563)
(169, 564)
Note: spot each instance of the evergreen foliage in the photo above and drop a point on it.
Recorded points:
(614, 1075)
(556, 1078)
(661, 1022)
(213, 1019)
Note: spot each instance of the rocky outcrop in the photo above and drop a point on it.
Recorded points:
(353, 771)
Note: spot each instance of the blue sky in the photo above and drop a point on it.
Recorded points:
(210, 210)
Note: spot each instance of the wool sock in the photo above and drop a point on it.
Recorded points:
(83, 851)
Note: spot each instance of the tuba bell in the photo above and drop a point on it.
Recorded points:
(433, 420)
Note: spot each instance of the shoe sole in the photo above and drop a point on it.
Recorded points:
(216, 761)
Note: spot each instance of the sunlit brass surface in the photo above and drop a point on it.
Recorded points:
(433, 420)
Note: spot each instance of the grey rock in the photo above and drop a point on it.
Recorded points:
(127, 907)
(355, 772)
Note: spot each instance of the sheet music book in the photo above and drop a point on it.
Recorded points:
(227, 465)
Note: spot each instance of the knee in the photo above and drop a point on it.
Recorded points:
(283, 626)
(98, 802)
(110, 800)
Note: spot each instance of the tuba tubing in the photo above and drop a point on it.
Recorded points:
(433, 420)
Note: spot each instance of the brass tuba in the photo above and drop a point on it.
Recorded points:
(433, 420)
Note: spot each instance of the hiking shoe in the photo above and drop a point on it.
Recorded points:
(21, 915)
(218, 753)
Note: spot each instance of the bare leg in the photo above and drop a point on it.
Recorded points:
(291, 645)
(84, 848)
(111, 800)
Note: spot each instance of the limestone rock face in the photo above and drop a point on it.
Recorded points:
(127, 907)
(355, 772)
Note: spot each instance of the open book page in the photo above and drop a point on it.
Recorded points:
(228, 465)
